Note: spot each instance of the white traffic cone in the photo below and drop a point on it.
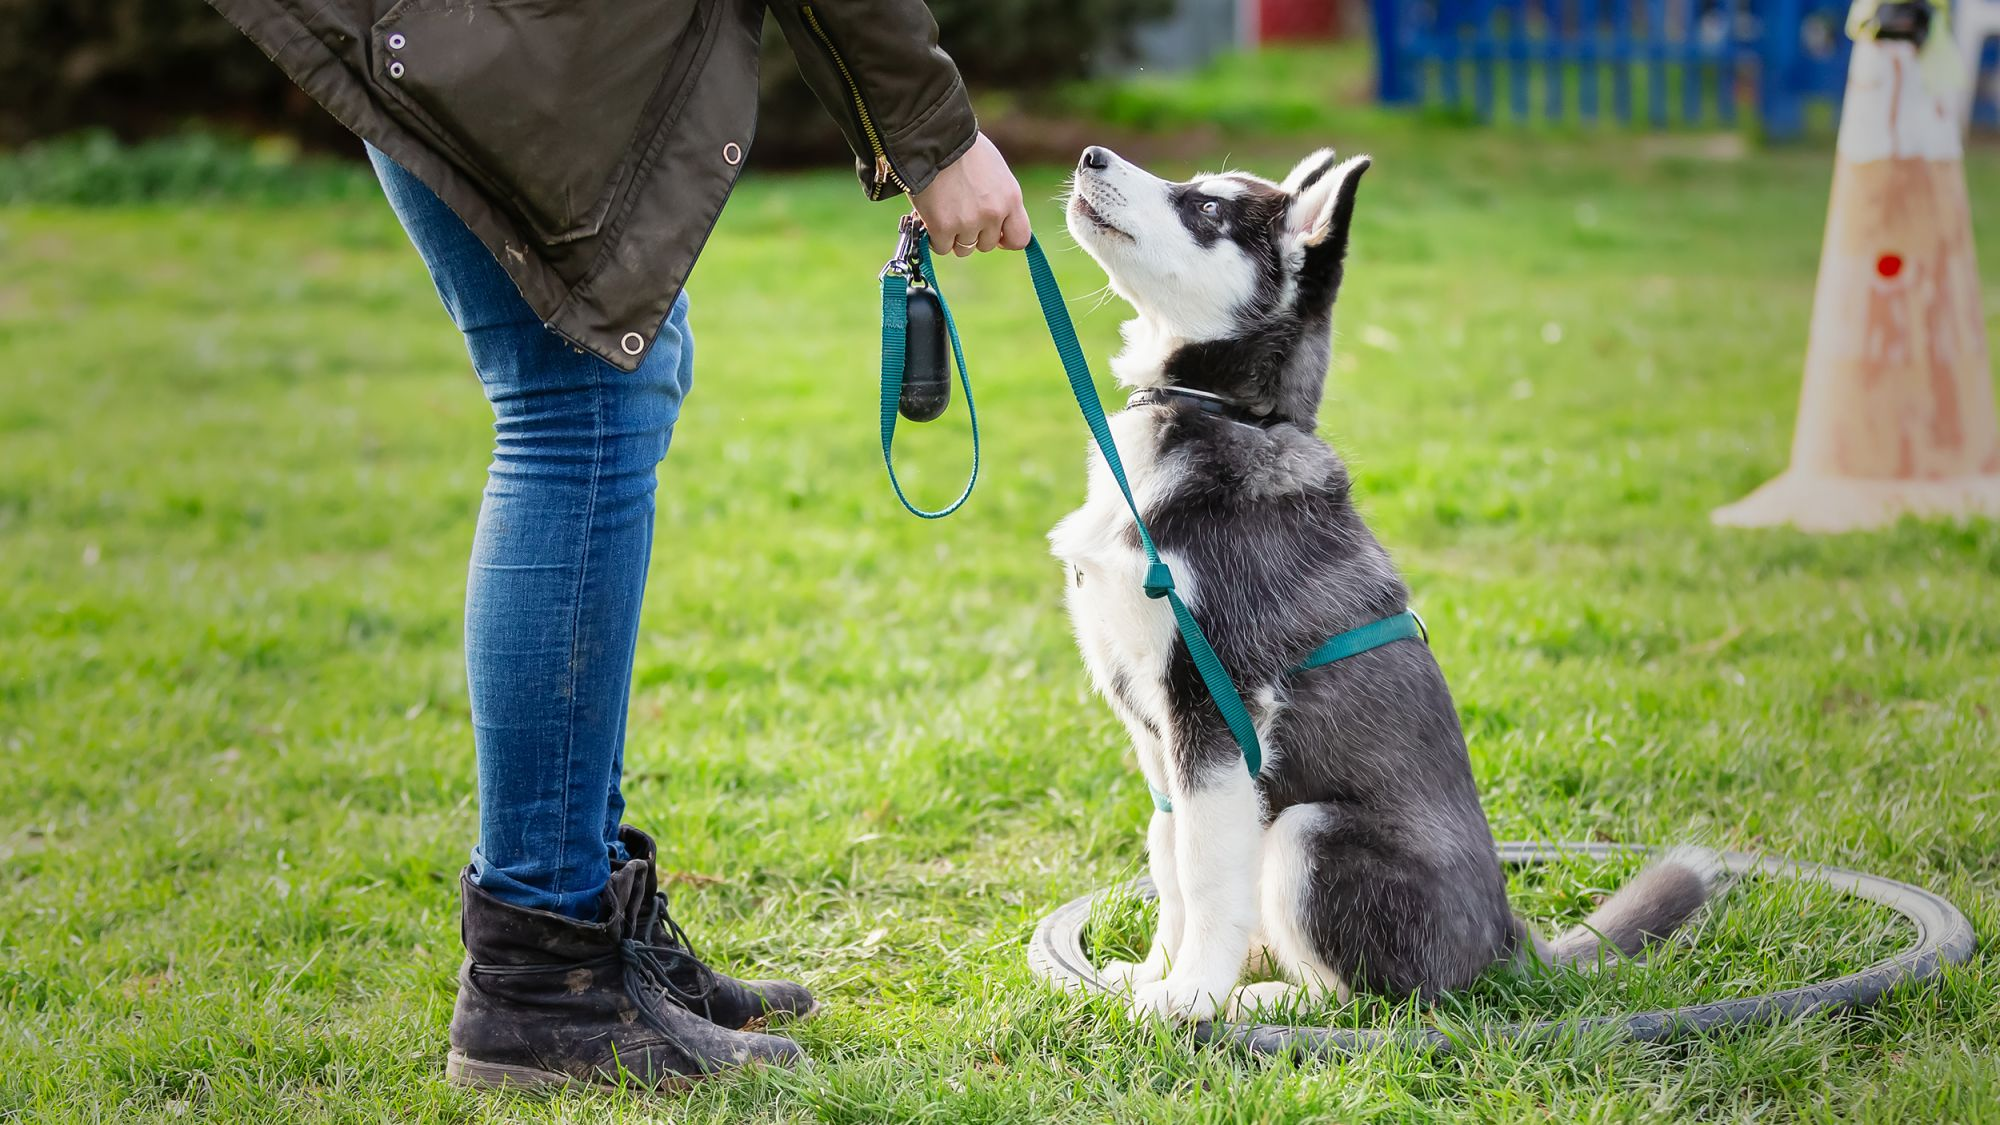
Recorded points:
(1896, 415)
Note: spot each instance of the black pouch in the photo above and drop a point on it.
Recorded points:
(926, 370)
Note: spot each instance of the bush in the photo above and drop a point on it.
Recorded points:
(140, 67)
(1029, 44)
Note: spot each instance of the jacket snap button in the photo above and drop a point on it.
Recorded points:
(395, 70)
(633, 343)
(732, 153)
(396, 41)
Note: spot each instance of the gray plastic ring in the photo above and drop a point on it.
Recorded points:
(1944, 937)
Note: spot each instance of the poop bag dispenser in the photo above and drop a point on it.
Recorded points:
(926, 369)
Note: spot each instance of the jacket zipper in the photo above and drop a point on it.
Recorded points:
(884, 171)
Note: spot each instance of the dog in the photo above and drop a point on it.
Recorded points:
(1359, 857)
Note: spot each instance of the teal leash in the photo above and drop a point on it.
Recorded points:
(895, 324)
(1159, 580)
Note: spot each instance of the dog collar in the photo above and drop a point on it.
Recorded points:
(1202, 401)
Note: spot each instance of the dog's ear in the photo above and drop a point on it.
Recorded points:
(1323, 201)
(1308, 170)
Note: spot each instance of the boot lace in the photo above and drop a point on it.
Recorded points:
(672, 967)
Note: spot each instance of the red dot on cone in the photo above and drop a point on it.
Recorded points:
(1889, 265)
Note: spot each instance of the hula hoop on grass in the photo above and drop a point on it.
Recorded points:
(1944, 937)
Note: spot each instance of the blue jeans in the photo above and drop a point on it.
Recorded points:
(558, 566)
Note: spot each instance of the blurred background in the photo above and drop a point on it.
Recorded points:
(241, 454)
(139, 69)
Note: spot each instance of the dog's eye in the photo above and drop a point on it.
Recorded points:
(1211, 208)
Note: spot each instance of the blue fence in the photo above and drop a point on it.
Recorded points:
(1657, 62)
(1986, 77)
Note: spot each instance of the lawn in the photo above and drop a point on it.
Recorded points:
(240, 454)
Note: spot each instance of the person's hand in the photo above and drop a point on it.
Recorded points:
(974, 203)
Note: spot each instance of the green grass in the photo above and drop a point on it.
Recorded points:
(93, 169)
(240, 454)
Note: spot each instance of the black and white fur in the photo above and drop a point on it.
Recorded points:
(1360, 856)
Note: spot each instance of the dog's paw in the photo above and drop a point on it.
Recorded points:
(1264, 1000)
(1124, 976)
(1174, 1000)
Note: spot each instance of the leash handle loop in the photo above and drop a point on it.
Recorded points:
(895, 326)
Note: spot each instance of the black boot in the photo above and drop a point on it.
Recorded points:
(545, 1000)
(723, 999)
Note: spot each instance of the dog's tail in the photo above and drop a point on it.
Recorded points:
(1651, 906)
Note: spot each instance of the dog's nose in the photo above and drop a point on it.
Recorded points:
(1096, 158)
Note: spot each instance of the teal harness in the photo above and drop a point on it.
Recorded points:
(912, 266)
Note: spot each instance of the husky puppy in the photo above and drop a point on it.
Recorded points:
(1359, 857)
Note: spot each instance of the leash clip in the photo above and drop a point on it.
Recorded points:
(903, 264)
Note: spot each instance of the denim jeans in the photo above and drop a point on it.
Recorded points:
(558, 565)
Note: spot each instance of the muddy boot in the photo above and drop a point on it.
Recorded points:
(545, 1000)
(723, 999)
